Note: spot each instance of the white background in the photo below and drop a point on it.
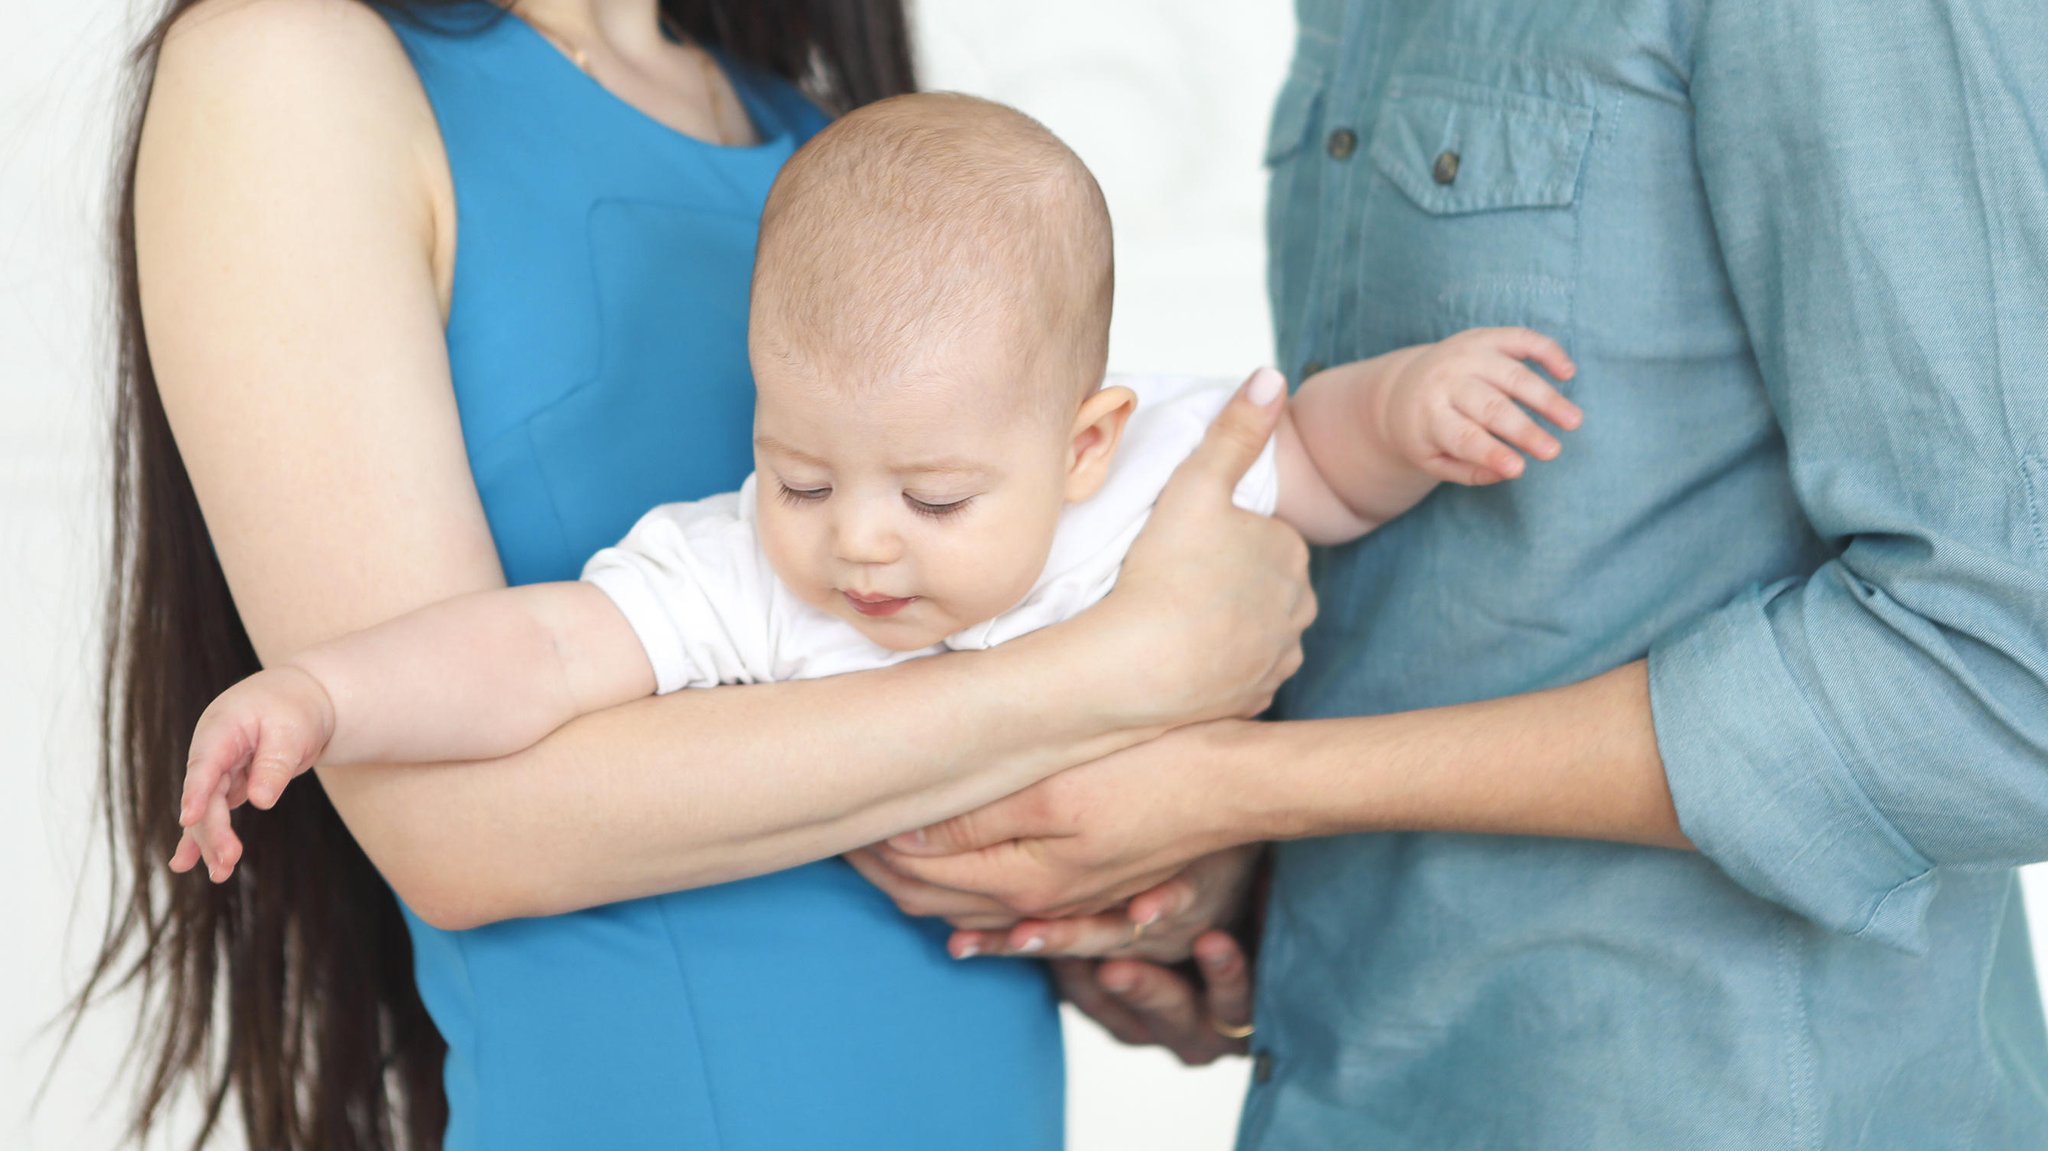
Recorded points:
(1166, 99)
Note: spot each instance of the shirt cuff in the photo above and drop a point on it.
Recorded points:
(1762, 791)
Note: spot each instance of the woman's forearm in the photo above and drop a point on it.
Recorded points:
(1578, 761)
(685, 791)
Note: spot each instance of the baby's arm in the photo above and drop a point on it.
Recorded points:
(471, 678)
(1363, 442)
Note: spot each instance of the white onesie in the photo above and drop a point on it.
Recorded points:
(694, 584)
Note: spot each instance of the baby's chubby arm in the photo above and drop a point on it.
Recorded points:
(475, 677)
(1363, 442)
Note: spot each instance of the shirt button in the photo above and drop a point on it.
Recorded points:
(1342, 143)
(1445, 169)
(1262, 1067)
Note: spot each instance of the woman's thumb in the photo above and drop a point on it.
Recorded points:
(1241, 430)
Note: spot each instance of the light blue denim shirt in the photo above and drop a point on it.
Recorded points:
(1799, 249)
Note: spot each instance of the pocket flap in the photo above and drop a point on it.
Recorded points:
(1293, 111)
(1454, 147)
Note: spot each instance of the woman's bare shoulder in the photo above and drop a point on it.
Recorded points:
(293, 76)
(306, 107)
(297, 42)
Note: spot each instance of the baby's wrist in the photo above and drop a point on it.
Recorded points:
(304, 684)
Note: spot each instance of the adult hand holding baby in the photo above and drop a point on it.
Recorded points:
(1197, 544)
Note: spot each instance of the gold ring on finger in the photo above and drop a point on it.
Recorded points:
(1232, 1030)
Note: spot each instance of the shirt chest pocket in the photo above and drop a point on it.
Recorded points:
(1470, 211)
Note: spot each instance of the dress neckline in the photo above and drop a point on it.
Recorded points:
(757, 116)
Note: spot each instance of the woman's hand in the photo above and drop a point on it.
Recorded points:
(1092, 836)
(1206, 618)
(1161, 924)
(1145, 1004)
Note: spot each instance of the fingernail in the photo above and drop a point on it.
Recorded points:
(1151, 917)
(1032, 945)
(1216, 962)
(908, 841)
(967, 951)
(1265, 387)
(1117, 981)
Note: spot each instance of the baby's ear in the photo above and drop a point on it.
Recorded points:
(1098, 428)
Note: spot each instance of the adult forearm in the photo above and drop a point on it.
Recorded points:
(704, 787)
(1578, 761)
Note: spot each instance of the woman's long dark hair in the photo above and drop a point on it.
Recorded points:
(287, 995)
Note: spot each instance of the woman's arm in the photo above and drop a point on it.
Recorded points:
(1578, 761)
(295, 233)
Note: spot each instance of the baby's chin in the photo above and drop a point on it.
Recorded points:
(896, 633)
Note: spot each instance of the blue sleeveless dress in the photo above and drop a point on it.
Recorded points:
(598, 342)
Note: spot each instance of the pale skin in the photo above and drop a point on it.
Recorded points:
(909, 499)
(296, 237)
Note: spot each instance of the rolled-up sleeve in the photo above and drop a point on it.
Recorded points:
(1878, 185)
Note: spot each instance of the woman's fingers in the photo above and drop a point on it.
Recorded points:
(923, 900)
(1167, 1004)
(1238, 434)
(1174, 897)
(1086, 936)
(1079, 986)
(1226, 977)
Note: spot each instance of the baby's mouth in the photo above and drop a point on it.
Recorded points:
(877, 605)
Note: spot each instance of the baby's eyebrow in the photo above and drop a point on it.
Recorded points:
(770, 443)
(951, 465)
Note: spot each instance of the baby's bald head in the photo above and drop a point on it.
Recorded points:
(930, 220)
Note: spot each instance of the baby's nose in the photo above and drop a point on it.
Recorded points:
(863, 535)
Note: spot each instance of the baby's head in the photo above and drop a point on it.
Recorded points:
(929, 329)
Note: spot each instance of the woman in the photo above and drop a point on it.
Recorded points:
(436, 297)
(1783, 600)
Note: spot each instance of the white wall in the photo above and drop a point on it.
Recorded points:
(1166, 100)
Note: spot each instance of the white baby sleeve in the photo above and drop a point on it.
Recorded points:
(692, 582)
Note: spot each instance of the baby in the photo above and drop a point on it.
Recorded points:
(938, 465)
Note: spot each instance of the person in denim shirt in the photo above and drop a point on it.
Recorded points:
(1784, 600)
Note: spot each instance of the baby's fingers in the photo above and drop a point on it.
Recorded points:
(268, 777)
(187, 856)
(1454, 471)
(1536, 393)
(218, 843)
(1463, 438)
(219, 753)
(1524, 344)
(1492, 409)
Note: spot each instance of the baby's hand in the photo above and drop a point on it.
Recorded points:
(1452, 408)
(249, 744)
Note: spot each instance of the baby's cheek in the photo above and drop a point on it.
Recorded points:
(1006, 566)
(784, 545)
